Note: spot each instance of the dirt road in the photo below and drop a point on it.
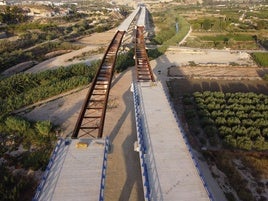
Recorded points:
(123, 175)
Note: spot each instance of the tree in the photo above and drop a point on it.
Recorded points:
(224, 131)
(206, 121)
(260, 144)
(265, 133)
(220, 121)
(231, 121)
(240, 131)
(12, 15)
(244, 143)
(230, 141)
(253, 132)
(226, 41)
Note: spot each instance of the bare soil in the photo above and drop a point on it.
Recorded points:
(218, 72)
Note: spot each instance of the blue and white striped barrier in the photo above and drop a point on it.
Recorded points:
(46, 173)
(104, 168)
(142, 144)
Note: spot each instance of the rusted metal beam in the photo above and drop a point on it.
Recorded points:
(143, 69)
(91, 119)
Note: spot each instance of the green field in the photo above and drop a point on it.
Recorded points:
(261, 58)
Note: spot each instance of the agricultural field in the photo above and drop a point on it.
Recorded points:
(228, 27)
(228, 120)
(238, 119)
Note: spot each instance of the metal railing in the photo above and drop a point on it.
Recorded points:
(151, 184)
(104, 168)
(48, 168)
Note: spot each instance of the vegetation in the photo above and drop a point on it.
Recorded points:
(166, 21)
(257, 164)
(9, 59)
(35, 38)
(261, 58)
(12, 53)
(12, 15)
(228, 26)
(239, 119)
(37, 139)
(24, 89)
(225, 162)
(123, 61)
(15, 187)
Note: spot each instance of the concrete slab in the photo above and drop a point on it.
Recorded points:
(141, 19)
(124, 26)
(75, 173)
(177, 174)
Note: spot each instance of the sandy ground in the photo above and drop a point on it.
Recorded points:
(206, 63)
(92, 42)
(123, 173)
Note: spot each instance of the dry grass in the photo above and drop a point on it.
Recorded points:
(258, 164)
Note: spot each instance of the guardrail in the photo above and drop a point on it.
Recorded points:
(187, 144)
(104, 168)
(142, 144)
(151, 184)
(46, 173)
